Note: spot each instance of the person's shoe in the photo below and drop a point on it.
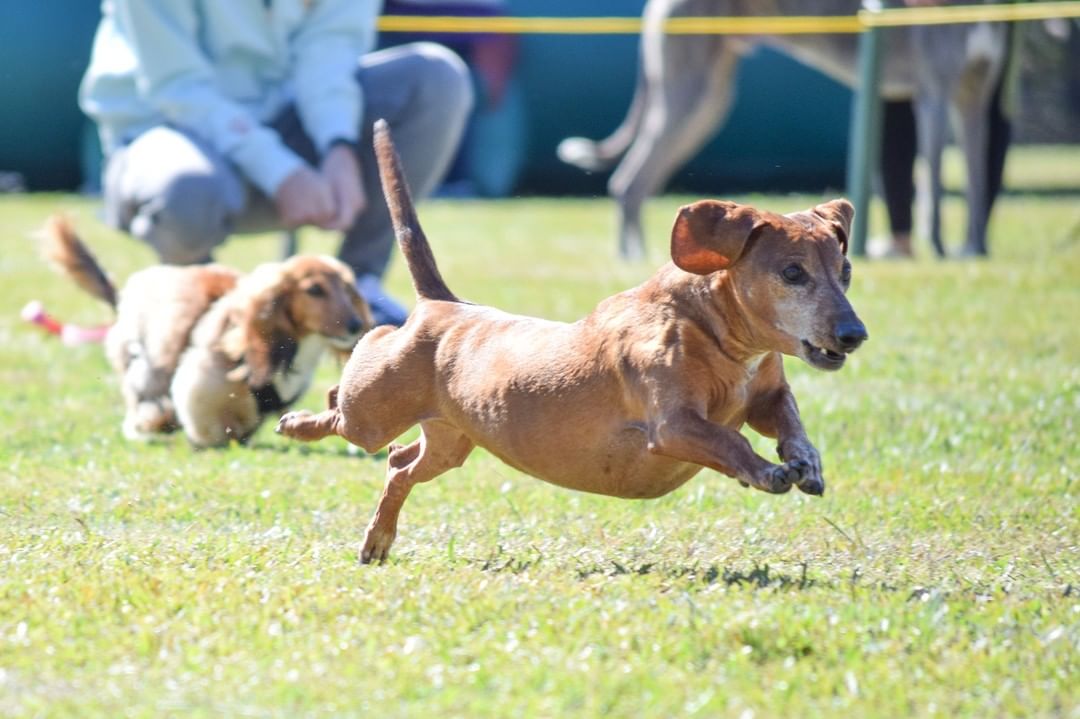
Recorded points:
(884, 248)
(384, 309)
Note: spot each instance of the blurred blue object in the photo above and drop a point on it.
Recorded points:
(44, 48)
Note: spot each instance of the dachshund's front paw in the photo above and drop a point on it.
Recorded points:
(777, 479)
(810, 480)
(805, 459)
(771, 478)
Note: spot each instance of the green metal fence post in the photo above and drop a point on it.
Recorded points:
(865, 139)
(288, 243)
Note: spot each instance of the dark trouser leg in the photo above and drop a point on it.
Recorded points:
(898, 147)
(1000, 138)
(1000, 132)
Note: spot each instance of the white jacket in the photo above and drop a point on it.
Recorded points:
(220, 69)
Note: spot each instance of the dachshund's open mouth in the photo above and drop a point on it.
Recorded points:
(822, 358)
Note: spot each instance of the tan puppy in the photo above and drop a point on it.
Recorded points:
(631, 401)
(208, 349)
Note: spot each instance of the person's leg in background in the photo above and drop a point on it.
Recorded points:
(425, 94)
(898, 148)
(174, 193)
(1000, 124)
(1000, 138)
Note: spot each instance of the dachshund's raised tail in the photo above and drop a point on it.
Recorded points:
(426, 278)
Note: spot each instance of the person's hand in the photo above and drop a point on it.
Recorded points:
(342, 174)
(305, 198)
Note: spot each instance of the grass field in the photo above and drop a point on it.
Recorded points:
(940, 575)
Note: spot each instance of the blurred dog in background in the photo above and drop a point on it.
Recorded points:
(209, 350)
(685, 87)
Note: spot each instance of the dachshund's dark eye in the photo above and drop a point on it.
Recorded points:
(316, 291)
(794, 275)
(845, 273)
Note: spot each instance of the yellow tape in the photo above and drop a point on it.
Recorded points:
(946, 15)
(773, 25)
(763, 25)
(512, 25)
(620, 25)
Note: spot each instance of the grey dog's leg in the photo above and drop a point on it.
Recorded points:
(958, 67)
(930, 115)
(689, 90)
(976, 140)
(973, 105)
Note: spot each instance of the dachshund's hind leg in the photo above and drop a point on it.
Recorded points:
(440, 447)
(308, 427)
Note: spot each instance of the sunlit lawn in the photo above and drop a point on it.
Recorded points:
(940, 575)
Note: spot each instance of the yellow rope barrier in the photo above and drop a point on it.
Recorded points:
(945, 15)
(794, 25)
(620, 25)
(762, 25)
(512, 25)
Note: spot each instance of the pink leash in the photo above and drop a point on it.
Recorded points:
(69, 334)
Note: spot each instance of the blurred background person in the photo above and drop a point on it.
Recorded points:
(251, 115)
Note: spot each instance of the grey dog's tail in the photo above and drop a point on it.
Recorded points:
(602, 155)
(426, 279)
(67, 253)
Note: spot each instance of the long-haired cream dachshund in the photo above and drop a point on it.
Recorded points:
(631, 401)
(209, 350)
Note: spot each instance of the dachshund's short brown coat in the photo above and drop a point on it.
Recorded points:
(631, 401)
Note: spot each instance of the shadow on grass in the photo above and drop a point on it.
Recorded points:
(760, 576)
(763, 576)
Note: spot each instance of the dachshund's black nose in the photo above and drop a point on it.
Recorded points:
(850, 334)
(354, 325)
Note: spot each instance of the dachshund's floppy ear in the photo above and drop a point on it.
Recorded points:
(363, 311)
(710, 235)
(259, 318)
(840, 213)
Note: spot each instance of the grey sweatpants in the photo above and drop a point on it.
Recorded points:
(171, 190)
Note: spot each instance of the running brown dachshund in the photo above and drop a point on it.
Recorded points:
(631, 401)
